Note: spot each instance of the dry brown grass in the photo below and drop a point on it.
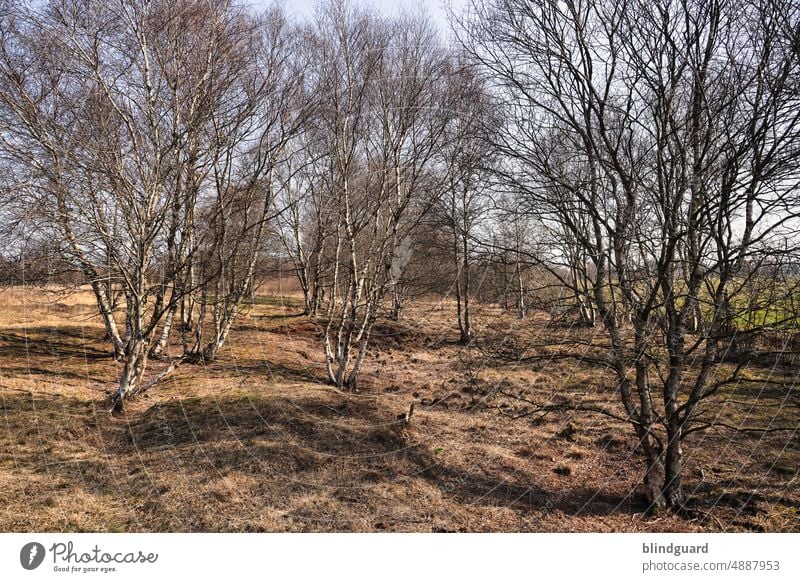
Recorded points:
(257, 442)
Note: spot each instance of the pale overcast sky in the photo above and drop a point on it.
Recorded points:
(305, 8)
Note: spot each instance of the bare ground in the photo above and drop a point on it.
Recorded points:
(257, 442)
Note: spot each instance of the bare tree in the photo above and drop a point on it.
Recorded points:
(378, 126)
(249, 133)
(676, 125)
(302, 227)
(466, 157)
(127, 117)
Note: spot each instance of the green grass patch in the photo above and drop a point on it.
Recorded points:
(275, 301)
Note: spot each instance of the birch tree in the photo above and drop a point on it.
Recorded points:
(380, 122)
(249, 136)
(122, 115)
(677, 129)
(465, 157)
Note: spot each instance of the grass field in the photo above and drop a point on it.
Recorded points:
(257, 442)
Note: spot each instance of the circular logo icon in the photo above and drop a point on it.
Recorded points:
(31, 555)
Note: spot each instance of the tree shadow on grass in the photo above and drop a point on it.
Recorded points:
(66, 341)
(186, 463)
(340, 443)
(270, 370)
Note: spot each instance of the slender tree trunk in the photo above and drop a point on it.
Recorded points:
(673, 469)
(157, 351)
(695, 318)
(221, 332)
(673, 458)
(118, 346)
(308, 301)
(466, 329)
(654, 475)
(459, 310)
(586, 316)
(132, 373)
(397, 302)
(352, 379)
(522, 307)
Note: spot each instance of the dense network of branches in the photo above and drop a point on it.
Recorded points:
(631, 166)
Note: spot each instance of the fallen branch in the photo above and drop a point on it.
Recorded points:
(544, 409)
(171, 368)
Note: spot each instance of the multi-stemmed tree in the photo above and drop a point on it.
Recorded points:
(661, 139)
(128, 118)
(377, 127)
